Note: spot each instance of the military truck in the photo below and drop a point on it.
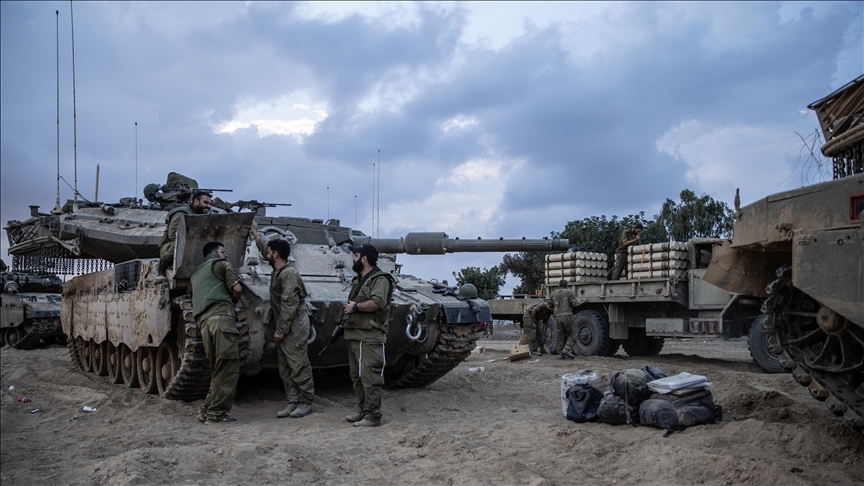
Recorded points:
(800, 254)
(29, 308)
(639, 311)
(125, 324)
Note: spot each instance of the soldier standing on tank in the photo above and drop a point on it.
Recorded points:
(214, 287)
(288, 313)
(200, 204)
(628, 237)
(535, 315)
(563, 301)
(367, 314)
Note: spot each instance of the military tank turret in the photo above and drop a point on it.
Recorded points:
(800, 253)
(29, 308)
(123, 323)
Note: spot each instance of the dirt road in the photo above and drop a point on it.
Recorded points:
(501, 426)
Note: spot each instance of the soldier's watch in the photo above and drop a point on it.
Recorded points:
(355, 307)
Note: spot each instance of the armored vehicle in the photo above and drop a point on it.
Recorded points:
(127, 325)
(800, 253)
(29, 309)
(663, 295)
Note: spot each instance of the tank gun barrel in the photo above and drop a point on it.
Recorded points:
(440, 243)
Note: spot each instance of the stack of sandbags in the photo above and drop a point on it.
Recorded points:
(575, 266)
(669, 259)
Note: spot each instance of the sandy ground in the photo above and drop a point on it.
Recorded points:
(500, 426)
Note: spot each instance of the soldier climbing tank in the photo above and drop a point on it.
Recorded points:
(125, 324)
(801, 253)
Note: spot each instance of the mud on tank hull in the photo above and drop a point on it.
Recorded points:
(151, 339)
(802, 252)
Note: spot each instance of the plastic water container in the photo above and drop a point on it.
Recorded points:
(576, 378)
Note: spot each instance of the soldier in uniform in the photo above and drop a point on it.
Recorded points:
(214, 287)
(288, 313)
(200, 204)
(534, 321)
(628, 237)
(563, 301)
(367, 314)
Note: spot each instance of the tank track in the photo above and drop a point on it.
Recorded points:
(454, 345)
(41, 329)
(192, 380)
(74, 354)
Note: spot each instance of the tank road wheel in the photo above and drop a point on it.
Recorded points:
(147, 369)
(86, 354)
(115, 376)
(760, 348)
(592, 334)
(167, 365)
(100, 357)
(551, 336)
(128, 366)
(13, 335)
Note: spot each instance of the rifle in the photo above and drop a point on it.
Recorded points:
(445, 291)
(254, 205)
(337, 333)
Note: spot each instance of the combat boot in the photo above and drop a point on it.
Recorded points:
(356, 417)
(366, 423)
(223, 420)
(288, 410)
(568, 354)
(160, 272)
(303, 409)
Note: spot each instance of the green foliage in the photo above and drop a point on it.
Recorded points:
(695, 217)
(488, 281)
(601, 235)
(528, 267)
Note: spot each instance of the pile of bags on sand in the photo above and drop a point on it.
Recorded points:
(645, 397)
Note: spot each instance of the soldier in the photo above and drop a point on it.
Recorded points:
(200, 204)
(213, 309)
(288, 314)
(628, 237)
(564, 300)
(367, 314)
(536, 314)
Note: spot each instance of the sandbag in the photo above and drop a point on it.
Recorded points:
(677, 413)
(614, 411)
(583, 402)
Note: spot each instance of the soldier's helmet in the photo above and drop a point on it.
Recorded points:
(150, 191)
(469, 291)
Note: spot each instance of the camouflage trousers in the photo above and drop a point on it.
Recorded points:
(294, 366)
(534, 333)
(366, 360)
(565, 327)
(219, 334)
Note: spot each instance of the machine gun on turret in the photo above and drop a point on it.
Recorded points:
(254, 206)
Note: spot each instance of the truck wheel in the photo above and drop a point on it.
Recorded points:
(551, 336)
(757, 341)
(592, 334)
(650, 346)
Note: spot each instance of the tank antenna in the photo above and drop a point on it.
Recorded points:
(57, 209)
(96, 197)
(328, 203)
(373, 200)
(355, 210)
(74, 114)
(136, 160)
(379, 193)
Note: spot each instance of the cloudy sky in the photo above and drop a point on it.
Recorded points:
(492, 119)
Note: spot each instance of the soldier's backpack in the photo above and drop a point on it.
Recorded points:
(671, 412)
(613, 410)
(583, 400)
(632, 384)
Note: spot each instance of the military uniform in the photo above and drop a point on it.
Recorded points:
(621, 253)
(210, 288)
(365, 333)
(169, 238)
(532, 327)
(288, 313)
(563, 301)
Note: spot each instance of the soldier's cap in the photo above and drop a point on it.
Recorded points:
(365, 249)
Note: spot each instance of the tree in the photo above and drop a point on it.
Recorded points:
(488, 281)
(601, 235)
(528, 267)
(695, 217)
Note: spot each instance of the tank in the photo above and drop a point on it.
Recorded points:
(800, 253)
(125, 325)
(29, 308)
